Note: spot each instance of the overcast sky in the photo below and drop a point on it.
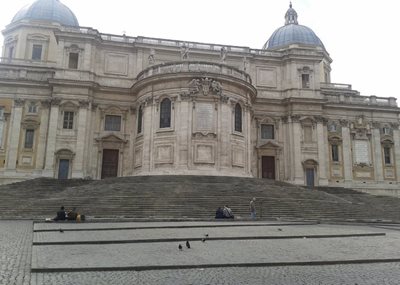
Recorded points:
(361, 36)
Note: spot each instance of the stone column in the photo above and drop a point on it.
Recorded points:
(14, 137)
(322, 141)
(296, 150)
(78, 170)
(377, 151)
(51, 139)
(396, 151)
(347, 153)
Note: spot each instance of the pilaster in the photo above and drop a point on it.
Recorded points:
(51, 139)
(377, 150)
(347, 153)
(13, 143)
(322, 141)
(78, 170)
(396, 138)
(296, 151)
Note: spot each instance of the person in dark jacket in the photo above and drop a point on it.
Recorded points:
(219, 214)
(61, 215)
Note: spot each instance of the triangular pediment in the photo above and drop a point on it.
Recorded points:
(111, 138)
(269, 144)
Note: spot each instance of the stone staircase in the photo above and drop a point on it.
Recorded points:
(190, 197)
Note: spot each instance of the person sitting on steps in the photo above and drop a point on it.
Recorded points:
(61, 215)
(228, 214)
(219, 214)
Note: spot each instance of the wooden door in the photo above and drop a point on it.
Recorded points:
(268, 167)
(310, 177)
(109, 166)
(63, 169)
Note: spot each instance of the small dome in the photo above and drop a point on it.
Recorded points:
(48, 10)
(292, 33)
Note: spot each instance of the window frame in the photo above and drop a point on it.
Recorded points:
(165, 113)
(387, 155)
(238, 118)
(335, 153)
(29, 139)
(139, 125)
(112, 123)
(68, 123)
(35, 55)
(305, 80)
(73, 64)
(32, 108)
(272, 131)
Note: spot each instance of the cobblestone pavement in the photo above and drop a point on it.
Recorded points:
(15, 252)
(360, 274)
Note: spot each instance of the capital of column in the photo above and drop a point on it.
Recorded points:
(19, 102)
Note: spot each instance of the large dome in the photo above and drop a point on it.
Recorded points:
(292, 33)
(48, 10)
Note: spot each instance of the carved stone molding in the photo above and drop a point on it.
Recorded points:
(206, 86)
(321, 119)
(45, 103)
(19, 102)
(284, 119)
(376, 125)
(224, 99)
(202, 135)
(83, 104)
(55, 101)
(295, 118)
(344, 123)
(395, 126)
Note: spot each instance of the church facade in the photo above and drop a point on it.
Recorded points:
(78, 103)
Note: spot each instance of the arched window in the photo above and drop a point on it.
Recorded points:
(140, 119)
(165, 113)
(238, 118)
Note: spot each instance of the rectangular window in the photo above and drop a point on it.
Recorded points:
(112, 123)
(73, 60)
(305, 81)
(37, 52)
(332, 128)
(386, 154)
(32, 108)
(267, 132)
(29, 138)
(386, 131)
(335, 152)
(68, 122)
(308, 134)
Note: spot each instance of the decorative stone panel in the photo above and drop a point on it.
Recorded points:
(204, 153)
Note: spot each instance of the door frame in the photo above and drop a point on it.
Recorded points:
(310, 164)
(274, 165)
(69, 168)
(118, 162)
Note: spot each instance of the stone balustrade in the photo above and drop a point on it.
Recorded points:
(192, 66)
(167, 42)
(342, 93)
(326, 85)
